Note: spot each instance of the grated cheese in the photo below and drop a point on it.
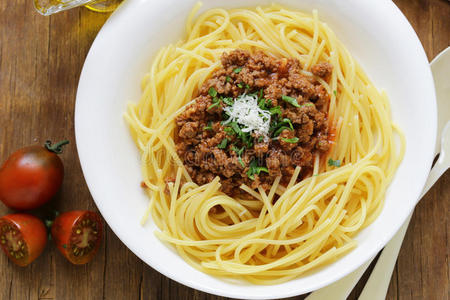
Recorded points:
(246, 112)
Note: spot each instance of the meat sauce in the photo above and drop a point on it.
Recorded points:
(209, 146)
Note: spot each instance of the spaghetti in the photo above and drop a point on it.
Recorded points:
(312, 222)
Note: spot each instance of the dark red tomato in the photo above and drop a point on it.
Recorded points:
(78, 235)
(31, 176)
(22, 237)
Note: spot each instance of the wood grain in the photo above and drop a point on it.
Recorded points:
(40, 63)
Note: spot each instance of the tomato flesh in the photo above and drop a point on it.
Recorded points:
(30, 177)
(22, 237)
(78, 235)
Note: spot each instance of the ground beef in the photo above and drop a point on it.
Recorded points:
(257, 161)
(322, 69)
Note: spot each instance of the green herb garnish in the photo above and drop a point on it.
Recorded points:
(245, 137)
(229, 130)
(332, 162)
(262, 103)
(240, 85)
(276, 127)
(212, 92)
(209, 127)
(247, 86)
(255, 169)
(215, 100)
(279, 130)
(286, 120)
(276, 110)
(237, 150)
(260, 139)
(290, 100)
(292, 140)
(228, 101)
(228, 79)
(223, 144)
(241, 162)
(236, 128)
(239, 153)
(213, 105)
(265, 103)
(237, 70)
(335, 92)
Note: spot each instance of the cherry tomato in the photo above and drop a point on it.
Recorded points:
(31, 176)
(78, 235)
(22, 237)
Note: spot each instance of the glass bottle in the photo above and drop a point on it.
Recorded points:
(48, 7)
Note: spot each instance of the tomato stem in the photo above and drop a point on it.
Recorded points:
(55, 148)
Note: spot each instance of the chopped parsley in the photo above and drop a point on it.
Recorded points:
(228, 79)
(229, 130)
(292, 140)
(335, 92)
(276, 127)
(237, 150)
(209, 127)
(255, 169)
(212, 92)
(237, 70)
(290, 100)
(260, 139)
(287, 121)
(241, 162)
(234, 129)
(213, 105)
(279, 130)
(335, 163)
(265, 104)
(239, 153)
(228, 101)
(215, 100)
(276, 110)
(223, 144)
(241, 85)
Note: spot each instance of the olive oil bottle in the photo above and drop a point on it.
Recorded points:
(48, 7)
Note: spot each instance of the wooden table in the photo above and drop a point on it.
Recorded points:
(40, 63)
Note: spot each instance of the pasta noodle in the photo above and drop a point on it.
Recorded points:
(312, 222)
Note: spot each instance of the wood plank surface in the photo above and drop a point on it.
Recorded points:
(40, 64)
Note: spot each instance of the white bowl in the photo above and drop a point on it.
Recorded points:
(375, 32)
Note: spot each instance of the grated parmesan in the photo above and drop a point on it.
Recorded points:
(246, 112)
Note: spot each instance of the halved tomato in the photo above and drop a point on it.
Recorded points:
(22, 237)
(78, 235)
